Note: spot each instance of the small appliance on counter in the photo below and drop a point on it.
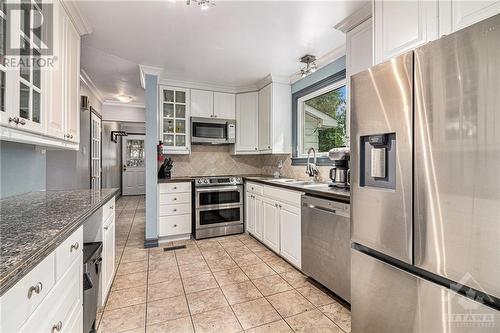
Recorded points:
(340, 173)
(91, 274)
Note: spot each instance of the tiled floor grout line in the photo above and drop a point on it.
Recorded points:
(184, 290)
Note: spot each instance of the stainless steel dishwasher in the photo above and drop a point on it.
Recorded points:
(326, 253)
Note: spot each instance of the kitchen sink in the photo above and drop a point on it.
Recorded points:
(283, 180)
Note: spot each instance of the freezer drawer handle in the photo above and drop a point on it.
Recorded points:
(321, 208)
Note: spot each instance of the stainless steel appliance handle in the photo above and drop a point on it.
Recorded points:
(219, 188)
(328, 210)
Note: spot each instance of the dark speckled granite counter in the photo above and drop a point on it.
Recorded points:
(175, 180)
(34, 224)
(321, 190)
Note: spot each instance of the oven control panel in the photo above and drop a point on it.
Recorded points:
(211, 181)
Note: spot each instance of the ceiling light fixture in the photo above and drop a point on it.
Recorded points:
(125, 98)
(311, 66)
(204, 4)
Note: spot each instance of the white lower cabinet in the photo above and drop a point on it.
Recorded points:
(108, 256)
(273, 216)
(290, 227)
(174, 210)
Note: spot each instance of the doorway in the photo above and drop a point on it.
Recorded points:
(133, 169)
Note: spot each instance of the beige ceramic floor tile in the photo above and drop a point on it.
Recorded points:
(161, 274)
(339, 314)
(221, 263)
(247, 260)
(312, 321)
(166, 309)
(130, 255)
(181, 325)
(194, 269)
(206, 300)
(240, 292)
(255, 313)
(290, 303)
(279, 326)
(279, 265)
(165, 289)
(132, 267)
(162, 262)
(266, 255)
(199, 282)
(189, 258)
(295, 278)
(216, 321)
(270, 285)
(126, 297)
(214, 254)
(258, 271)
(230, 276)
(315, 295)
(124, 319)
(129, 281)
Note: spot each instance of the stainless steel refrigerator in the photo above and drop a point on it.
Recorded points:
(425, 188)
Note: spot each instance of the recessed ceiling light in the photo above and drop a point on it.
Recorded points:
(125, 98)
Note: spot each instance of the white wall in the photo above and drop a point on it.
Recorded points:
(123, 113)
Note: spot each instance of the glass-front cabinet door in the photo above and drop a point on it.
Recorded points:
(174, 120)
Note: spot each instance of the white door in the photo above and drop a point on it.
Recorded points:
(270, 219)
(259, 222)
(95, 152)
(133, 171)
(290, 242)
(202, 103)
(224, 105)
(250, 212)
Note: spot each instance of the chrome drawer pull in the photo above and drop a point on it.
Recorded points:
(57, 327)
(74, 247)
(175, 225)
(35, 289)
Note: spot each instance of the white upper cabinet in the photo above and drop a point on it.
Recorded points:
(202, 103)
(247, 118)
(174, 120)
(400, 26)
(455, 14)
(209, 104)
(41, 105)
(359, 46)
(275, 118)
(224, 105)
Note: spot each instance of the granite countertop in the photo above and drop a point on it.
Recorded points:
(175, 180)
(321, 189)
(34, 224)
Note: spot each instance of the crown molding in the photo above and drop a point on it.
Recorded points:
(326, 59)
(355, 19)
(148, 70)
(113, 103)
(81, 23)
(85, 78)
(272, 78)
(198, 85)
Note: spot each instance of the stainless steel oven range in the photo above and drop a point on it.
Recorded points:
(218, 206)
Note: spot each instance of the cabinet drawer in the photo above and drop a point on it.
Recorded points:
(174, 198)
(167, 210)
(175, 187)
(287, 196)
(16, 303)
(174, 225)
(108, 208)
(68, 252)
(255, 188)
(60, 303)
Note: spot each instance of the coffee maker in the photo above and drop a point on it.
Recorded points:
(340, 173)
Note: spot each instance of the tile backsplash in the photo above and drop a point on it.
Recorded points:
(208, 160)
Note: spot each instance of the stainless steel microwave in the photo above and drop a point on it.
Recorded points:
(212, 131)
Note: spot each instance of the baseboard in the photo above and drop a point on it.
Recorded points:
(151, 242)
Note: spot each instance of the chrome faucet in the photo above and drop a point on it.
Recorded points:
(311, 168)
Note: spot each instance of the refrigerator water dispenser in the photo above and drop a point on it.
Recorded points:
(378, 161)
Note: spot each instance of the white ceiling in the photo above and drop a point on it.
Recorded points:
(235, 43)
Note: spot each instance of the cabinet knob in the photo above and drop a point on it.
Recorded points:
(255, 148)
(269, 147)
(276, 205)
(57, 327)
(35, 289)
(175, 225)
(106, 228)
(111, 207)
(175, 199)
(175, 187)
(74, 247)
(22, 122)
(175, 209)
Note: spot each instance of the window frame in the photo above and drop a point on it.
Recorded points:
(332, 82)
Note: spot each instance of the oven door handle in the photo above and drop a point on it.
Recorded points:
(219, 189)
